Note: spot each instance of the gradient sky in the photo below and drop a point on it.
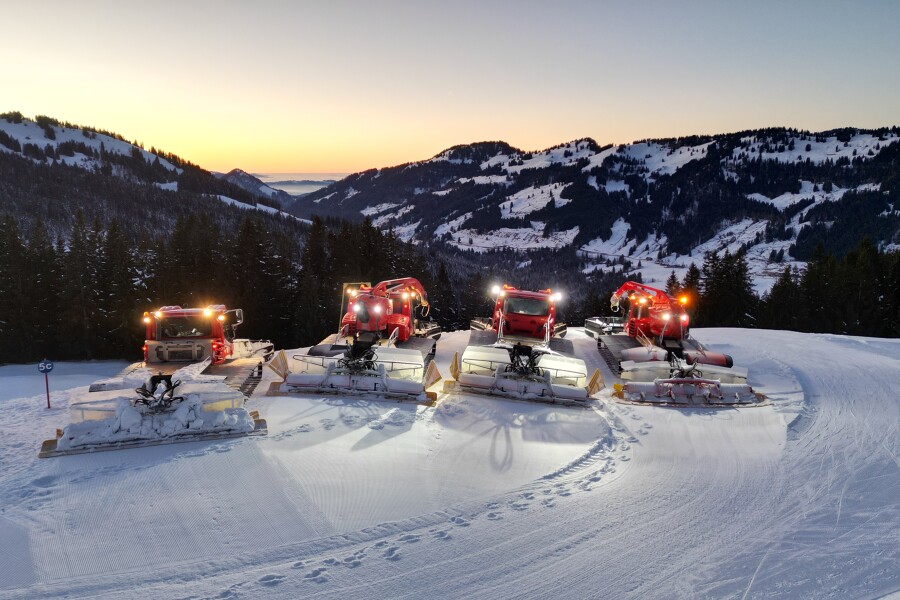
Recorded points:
(336, 86)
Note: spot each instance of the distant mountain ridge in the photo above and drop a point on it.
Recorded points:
(49, 170)
(255, 186)
(776, 193)
(45, 140)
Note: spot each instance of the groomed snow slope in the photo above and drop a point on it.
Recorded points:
(487, 498)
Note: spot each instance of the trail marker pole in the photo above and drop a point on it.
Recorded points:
(45, 366)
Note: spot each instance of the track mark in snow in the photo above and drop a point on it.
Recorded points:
(271, 580)
(494, 516)
(392, 553)
(289, 433)
(459, 522)
(317, 575)
(410, 538)
(441, 535)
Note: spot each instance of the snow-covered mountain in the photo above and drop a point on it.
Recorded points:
(47, 141)
(255, 186)
(776, 193)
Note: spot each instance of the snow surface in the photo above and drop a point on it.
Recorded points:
(526, 201)
(452, 225)
(482, 497)
(812, 191)
(859, 145)
(523, 238)
(262, 207)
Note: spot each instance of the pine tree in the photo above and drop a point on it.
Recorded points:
(79, 293)
(780, 307)
(118, 315)
(673, 288)
(818, 293)
(43, 292)
(16, 340)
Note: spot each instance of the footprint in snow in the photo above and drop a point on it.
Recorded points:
(317, 575)
(44, 482)
(494, 516)
(381, 544)
(326, 424)
(548, 502)
(441, 535)
(352, 561)
(528, 496)
(330, 561)
(410, 538)
(271, 580)
(459, 522)
(492, 505)
(298, 565)
(520, 506)
(392, 553)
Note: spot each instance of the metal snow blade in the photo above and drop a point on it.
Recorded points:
(678, 383)
(49, 447)
(393, 373)
(153, 415)
(523, 373)
(688, 391)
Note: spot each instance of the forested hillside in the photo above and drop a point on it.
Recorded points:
(89, 239)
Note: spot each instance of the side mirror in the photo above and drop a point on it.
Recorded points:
(238, 316)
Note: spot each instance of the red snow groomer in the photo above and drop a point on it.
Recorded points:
(518, 352)
(660, 323)
(394, 308)
(659, 360)
(383, 346)
(176, 334)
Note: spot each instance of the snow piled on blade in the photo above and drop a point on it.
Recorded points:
(136, 423)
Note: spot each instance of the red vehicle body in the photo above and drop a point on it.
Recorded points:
(389, 306)
(190, 334)
(525, 314)
(661, 320)
(652, 313)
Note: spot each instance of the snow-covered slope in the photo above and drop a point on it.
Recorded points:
(57, 137)
(776, 193)
(487, 498)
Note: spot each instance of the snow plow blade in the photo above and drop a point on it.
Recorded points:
(653, 370)
(161, 411)
(688, 391)
(482, 370)
(49, 447)
(397, 374)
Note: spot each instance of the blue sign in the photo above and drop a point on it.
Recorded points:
(45, 366)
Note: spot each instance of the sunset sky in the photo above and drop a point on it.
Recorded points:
(339, 86)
